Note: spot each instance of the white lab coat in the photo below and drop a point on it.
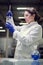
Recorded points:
(27, 37)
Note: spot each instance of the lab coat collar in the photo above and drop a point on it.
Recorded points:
(32, 23)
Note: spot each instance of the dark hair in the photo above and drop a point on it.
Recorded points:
(34, 11)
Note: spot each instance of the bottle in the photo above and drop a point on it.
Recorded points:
(9, 15)
(35, 56)
(9, 19)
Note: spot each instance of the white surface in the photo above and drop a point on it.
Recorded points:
(8, 61)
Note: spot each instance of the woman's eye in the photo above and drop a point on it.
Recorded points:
(26, 15)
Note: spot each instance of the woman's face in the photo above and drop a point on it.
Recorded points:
(28, 17)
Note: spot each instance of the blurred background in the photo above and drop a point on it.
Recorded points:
(7, 43)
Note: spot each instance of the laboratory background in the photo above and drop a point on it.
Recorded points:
(7, 43)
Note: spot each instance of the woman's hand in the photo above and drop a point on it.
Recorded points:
(10, 27)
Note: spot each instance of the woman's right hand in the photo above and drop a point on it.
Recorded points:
(10, 27)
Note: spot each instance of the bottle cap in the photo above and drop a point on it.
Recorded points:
(9, 13)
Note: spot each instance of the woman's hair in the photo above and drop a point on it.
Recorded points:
(34, 11)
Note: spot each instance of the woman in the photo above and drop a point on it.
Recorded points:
(28, 35)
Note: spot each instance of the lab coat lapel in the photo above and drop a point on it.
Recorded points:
(27, 30)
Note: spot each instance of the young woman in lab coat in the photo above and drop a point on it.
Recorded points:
(27, 36)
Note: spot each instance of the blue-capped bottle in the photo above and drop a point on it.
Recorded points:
(35, 56)
(9, 20)
(9, 15)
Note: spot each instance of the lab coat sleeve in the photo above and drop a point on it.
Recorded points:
(34, 35)
(18, 28)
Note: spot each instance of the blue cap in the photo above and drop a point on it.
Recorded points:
(9, 13)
